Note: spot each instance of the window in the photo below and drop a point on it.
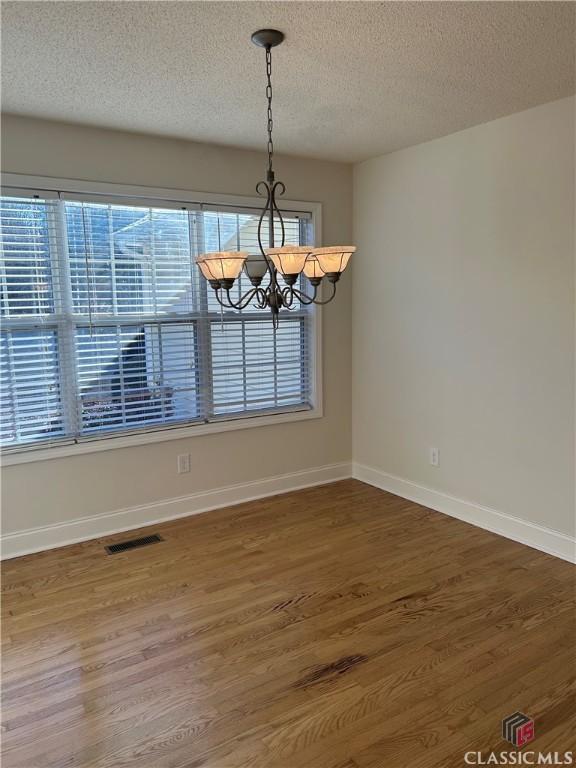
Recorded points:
(108, 328)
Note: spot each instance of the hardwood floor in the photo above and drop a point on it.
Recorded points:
(335, 627)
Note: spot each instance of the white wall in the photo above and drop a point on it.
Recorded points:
(463, 314)
(60, 490)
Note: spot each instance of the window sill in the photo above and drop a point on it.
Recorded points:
(113, 443)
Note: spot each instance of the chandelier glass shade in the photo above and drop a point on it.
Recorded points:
(289, 260)
(312, 270)
(255, 268)
(222, 268)
(222, 265)
(334, 259)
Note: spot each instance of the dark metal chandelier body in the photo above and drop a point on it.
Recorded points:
(222, 268)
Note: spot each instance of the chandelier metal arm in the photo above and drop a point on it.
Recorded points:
(289, 293)
(225, 304)
(271, 208)
(278, 185)
(243, 301)
(263, 188)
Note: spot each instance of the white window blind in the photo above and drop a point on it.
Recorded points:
(108, 328)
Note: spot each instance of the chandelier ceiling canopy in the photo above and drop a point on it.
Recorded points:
(222, 268)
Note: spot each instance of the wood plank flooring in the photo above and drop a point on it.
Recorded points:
(335, 627)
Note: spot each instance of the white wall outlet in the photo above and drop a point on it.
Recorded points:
(183, 463)
(434, 456)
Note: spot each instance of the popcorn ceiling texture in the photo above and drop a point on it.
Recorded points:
(352, 80)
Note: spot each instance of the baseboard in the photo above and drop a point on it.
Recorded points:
(532, 535)
(82, 529)
(58, 535)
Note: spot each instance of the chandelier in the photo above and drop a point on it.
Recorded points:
(222, 268)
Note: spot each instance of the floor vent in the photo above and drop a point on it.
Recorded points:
(123, 546)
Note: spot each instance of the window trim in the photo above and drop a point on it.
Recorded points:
(138, 194)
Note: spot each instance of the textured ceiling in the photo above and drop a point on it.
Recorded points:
(352, 80)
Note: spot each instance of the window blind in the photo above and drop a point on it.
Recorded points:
(107, 327)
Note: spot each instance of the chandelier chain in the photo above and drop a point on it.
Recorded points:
(269, 98)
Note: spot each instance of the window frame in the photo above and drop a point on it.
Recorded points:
(159, 197)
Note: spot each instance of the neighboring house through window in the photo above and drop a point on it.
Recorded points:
(107, 327)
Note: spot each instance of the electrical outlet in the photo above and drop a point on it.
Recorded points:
(183, 463)
(434, 456)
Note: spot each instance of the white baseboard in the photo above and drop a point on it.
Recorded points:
(81, 529)
(535, 536)
(60, 534)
